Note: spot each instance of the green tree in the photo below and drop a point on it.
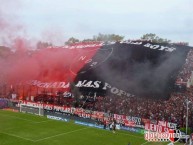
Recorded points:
(154, 38)
(71, 41)
(107, 37)
(4, 51)
(88, 40)
(41, 45)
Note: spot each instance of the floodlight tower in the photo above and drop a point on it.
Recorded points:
(187, 109)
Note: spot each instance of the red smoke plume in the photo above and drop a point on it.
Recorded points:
(47, 65)
(22, 62)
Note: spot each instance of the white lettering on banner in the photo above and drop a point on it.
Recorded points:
(80, 83)
(67, 109)
(149, 45)
(56, 118)
(88, 61)
(89, 84)
(63, 85)
(85, 83)
(116, 91)
(80, 46)
(162, 123)
(121, 92)
(82, 58)
(128, 120)
(31, 104)
(163, 47)
(156, 127)
(137, 120)
(160, 126)
(106, 85)
(72, 110)
(49, 85)
(48, 107)
(58, 108)
(166, 48)
(131, 42)
(54, 85)
(94, 63)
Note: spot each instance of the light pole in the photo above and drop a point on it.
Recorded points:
(187, 103)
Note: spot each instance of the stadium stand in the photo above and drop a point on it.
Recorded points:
(131, 78)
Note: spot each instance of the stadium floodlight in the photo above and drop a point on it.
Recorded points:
(187, 103)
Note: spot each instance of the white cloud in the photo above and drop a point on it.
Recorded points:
(132, 18)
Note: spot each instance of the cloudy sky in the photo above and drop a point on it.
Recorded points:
(57, 20)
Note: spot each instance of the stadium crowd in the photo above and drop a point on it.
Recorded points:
(173, 110)
(186, 71)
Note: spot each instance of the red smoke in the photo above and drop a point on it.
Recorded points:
(44, 65)
(47, 65)
(23, 62)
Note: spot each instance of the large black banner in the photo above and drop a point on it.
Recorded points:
(142, 69)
